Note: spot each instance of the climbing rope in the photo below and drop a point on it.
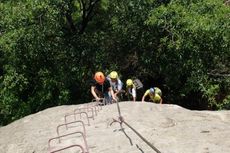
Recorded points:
(121, 120)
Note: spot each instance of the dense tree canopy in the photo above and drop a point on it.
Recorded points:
(50, 49)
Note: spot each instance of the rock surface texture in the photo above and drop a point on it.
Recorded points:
(170, 128)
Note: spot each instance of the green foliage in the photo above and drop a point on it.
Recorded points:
(30, 45)
(225, 104)
(50, 49)
(193, 42)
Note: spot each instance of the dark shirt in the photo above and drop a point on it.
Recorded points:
(102, 88)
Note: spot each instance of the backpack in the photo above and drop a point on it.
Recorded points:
(137, 83)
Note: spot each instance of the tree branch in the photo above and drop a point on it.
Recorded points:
(86, 16)
(70, 21)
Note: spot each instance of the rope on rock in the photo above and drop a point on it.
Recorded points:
(121, 120)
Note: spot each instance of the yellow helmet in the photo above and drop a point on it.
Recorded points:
(113, 75)
(129, 82)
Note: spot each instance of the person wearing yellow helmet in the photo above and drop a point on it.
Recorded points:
(131, 89)
(100, 87)
(154, 94)
(115, 83)
(113, 75)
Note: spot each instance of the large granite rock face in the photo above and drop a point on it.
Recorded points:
(170, 128)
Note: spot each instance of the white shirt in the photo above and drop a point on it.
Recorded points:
(132, 91)
(117, 85)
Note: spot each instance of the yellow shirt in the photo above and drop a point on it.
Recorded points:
(158, 91)
(154, 97)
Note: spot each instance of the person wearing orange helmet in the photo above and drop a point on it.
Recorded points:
(100, 87)
(115, 83)
(131, 89)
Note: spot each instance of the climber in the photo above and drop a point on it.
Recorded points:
(131, 89)
(115, 83)
(154, 94)
(101, 88)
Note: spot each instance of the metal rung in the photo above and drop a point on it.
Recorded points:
(74, 114)
(82, 149)
(58, 137)
(101, 101)
(58, 127)
(97, 103)
(92, 106)
(85, 109)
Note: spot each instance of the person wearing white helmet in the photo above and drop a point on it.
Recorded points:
(115, 83)
(154, 94)
(131, 89)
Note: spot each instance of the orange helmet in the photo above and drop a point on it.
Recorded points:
(99, 77)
